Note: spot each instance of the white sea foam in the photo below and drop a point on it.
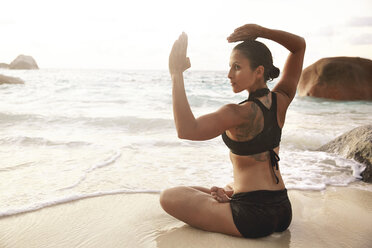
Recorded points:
(56, 201)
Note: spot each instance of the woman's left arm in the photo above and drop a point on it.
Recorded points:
(188, 127)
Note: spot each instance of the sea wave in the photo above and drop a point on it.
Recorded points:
(13, 118)
(17, 166)
(39, 141)
(314, 170)
(66, 199)
(131, 123)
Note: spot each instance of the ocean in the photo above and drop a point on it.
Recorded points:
(68, 134)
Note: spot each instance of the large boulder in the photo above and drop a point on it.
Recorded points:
(23, 62)
(10, 80)
(338, 78)
(355, 144)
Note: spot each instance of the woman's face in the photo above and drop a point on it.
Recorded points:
(241, 76)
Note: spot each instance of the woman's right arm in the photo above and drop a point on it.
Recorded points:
(293, 66)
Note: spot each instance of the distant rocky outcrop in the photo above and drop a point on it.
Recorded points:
(4, 65)
(355, 144)
(338, 78)
(23, 62)
(10, 80)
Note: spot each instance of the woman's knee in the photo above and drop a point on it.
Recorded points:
(169, 198)
(164, 198)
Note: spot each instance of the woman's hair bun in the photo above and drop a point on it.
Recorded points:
(274, 72)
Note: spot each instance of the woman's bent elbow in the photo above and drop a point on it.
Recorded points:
(181, 135)
(303, 43)
(185, 135)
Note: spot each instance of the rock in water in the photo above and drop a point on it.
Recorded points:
(338, 78)
(10, 80)
(355, 144)
(23, 62)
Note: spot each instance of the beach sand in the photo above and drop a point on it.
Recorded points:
(336, 217)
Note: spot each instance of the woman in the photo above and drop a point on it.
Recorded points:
(256, 203)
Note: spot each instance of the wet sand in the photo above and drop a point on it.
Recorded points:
(336, 217)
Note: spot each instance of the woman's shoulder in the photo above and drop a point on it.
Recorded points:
(241, 111)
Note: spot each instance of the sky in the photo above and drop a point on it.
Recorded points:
(138, 34)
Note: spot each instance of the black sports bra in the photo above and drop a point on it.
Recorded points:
(266, 140)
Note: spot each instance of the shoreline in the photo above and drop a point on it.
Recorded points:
(335, 217)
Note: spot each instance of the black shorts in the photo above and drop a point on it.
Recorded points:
(260, 213)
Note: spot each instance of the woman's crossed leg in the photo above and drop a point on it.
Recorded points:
(196, 207)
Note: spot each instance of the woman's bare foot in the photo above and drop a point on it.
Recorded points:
(219, 194)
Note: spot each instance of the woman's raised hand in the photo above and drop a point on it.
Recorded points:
(178, 62)
(246, 32)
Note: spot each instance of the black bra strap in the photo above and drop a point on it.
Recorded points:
(273, 101)
(261, 105)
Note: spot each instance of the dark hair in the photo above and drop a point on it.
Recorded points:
(258, 54)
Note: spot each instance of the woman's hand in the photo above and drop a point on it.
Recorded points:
(246, 32)
(178, 62)
(220, 195)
